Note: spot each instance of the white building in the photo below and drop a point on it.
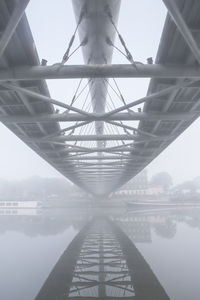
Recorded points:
(136, 186)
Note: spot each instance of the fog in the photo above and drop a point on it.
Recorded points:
(180, 159)
(36, 245)
(141, 241)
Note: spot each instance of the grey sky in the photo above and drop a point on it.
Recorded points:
(140, 23)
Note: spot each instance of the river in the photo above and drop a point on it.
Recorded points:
(120, 244)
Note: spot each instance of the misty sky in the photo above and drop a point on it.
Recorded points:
(140, 23)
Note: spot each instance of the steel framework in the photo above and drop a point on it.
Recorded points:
(102, 263)
(117, 148)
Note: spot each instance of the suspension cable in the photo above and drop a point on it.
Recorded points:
(67, 54)
(120, 96)
(73, 130)
(124, 129)
(127, 53)
(75, 97)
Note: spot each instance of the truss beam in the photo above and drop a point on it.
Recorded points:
(43, 98)
(98, 150)
(101, 137)
(99, 71)
(119, 157)
(73, 117)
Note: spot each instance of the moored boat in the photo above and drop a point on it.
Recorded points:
(158, 203)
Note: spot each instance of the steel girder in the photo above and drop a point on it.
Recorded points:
(170, 106)
(102, 263)
(100, 71)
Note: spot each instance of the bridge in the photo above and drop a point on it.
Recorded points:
(117, 149)
(101, 263)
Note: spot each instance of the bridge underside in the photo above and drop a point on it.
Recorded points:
(101, 161)
(101, 263)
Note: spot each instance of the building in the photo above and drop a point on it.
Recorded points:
(136, 186)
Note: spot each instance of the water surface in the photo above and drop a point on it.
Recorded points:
(167, 241)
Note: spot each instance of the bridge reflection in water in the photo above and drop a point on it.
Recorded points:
(101, 262)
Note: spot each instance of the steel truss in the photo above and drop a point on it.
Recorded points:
(170, 106)
(101, 269)
(101, 263)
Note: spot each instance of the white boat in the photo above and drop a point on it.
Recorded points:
(20, 204)
(164, 203)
